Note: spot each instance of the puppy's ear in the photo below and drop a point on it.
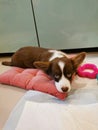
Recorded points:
(41, 65)
(78, 59)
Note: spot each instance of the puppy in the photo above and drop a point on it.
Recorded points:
(54, 63)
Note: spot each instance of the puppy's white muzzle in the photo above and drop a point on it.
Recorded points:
(63, 85)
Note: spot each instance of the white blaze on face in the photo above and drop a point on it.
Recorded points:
(63, 82)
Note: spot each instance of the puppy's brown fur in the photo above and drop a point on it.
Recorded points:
(54, 63)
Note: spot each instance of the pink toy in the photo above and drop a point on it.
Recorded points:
(83, 73)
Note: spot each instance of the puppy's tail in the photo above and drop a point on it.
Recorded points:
(7, 63)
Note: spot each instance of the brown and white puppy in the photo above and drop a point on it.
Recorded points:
(54, 63)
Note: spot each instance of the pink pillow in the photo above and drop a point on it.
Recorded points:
(31, 79)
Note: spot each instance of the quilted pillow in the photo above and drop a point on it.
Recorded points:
(31, 79)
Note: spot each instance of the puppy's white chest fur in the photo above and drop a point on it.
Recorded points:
(56, 54)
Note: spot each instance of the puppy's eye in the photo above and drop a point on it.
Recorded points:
(69, 75)
(57, 76)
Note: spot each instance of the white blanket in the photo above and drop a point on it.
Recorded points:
(49, 116)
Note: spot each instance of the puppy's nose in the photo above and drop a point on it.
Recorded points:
(64, 89)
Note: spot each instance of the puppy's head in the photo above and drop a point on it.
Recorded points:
(62, 70)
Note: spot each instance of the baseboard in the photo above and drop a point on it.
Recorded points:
(94, 49)
(6, 54)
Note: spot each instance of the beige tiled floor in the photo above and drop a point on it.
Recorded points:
(9, 96)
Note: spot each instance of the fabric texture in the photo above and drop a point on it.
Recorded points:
(36, 116)
(31, 79)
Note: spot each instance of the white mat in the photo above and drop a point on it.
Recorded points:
(49, 116)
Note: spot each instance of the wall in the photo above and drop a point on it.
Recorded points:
(16, 25)
(61, 24)
(67, 23)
